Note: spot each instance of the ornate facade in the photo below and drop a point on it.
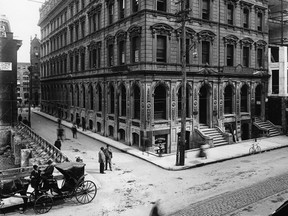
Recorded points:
(117, 64)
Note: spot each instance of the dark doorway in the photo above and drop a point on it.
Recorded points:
(258, 100)
(203, 104)
(245, 131)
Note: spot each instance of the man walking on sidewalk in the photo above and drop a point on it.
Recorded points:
(101, 159)
(74, 131)
(108, 157)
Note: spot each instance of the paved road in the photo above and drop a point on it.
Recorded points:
(134, 184)
(231, 201)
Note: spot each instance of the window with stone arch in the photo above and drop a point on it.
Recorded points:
(135, 43)
(206, 38)
(110, 50)
(260, 53)
(246, 17)
(99, 98)
(162, 34)
(91, 97)
(121, 44)
(228, 99)
(111, 99)
(246, 45)
(136, 100)
(180, 102)
(122, 100)
(83, 96)
(160, 102)
(72, 95)
(244, 98)
(77, 96)
(230, 42)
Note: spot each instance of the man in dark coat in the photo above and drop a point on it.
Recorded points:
(74, 131)
(57, 144)
(101, 160)
(35, 179)
(83, 124)
(47, 173)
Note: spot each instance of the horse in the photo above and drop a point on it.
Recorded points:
(8, 188)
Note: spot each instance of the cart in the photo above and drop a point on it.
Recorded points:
(73, 185)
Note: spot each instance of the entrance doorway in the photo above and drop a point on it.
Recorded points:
(203, 105)
(245, 131)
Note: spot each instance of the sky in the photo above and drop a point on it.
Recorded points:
(23, 16)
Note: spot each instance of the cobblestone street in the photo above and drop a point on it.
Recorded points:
(231, 201)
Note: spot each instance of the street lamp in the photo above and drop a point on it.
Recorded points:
(30, 68)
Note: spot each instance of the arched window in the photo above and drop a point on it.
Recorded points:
(112, 101)
(160, 103)
(136, 102)
(91, 97)
(244, 98)
(78, 96)
(83, 96)
(99, 98)
(228, 100)
(122, 101)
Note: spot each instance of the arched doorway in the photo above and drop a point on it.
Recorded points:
(245, 131)
(203, 105)
(135, 139)
(258, 100)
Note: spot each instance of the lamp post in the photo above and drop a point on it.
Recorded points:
(30, 68)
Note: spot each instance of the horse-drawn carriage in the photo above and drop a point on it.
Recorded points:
(73, 185)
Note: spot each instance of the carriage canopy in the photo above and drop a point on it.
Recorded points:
(73, 170)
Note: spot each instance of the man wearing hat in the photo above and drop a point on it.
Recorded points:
(47, 173)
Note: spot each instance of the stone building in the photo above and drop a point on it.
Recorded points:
(23, 83)
(117, 65)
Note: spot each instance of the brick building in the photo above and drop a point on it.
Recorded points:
(117, 64)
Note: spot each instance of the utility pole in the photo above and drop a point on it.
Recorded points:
(180, 156)
(30, 68)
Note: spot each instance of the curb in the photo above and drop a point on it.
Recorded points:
(67, 124)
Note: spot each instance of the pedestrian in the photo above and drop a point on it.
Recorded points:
(57, 144)
(77, 121)
(74, 131)
(59, 122)
(19, 118)
(35, 179)
(101, 159)
(83, 124)
(108, 157)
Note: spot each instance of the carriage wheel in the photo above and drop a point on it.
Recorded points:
(85, 192)
(43, 204)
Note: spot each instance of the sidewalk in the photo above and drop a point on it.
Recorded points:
(216, 154)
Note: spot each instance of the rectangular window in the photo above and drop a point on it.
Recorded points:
(275, 81)
(274, 54)
(82, 61)
(161, 48)
(94, 58)
(76, 62)
(76, 32)
(110, 54)
(98, 57)
(135, 49)
(206, 9)
(245, 18)
(205, 52)
(135, 6)
(98, 20)
(121, 9)
(71, 11)
(71, 63)
(230, 13)
(121, 50)
(82, 29)
(71, 35)
(246, 56)
(161, 5)
(259, 57)
(230, 55)
(94, 28)
(110, 13)
(259, 21)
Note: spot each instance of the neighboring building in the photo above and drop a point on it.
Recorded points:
(35, 71)
(278, 64)
(8, 73)
(117, 65)
(23, 84)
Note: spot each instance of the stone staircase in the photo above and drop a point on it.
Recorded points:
(267, 126)
(217, 137)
